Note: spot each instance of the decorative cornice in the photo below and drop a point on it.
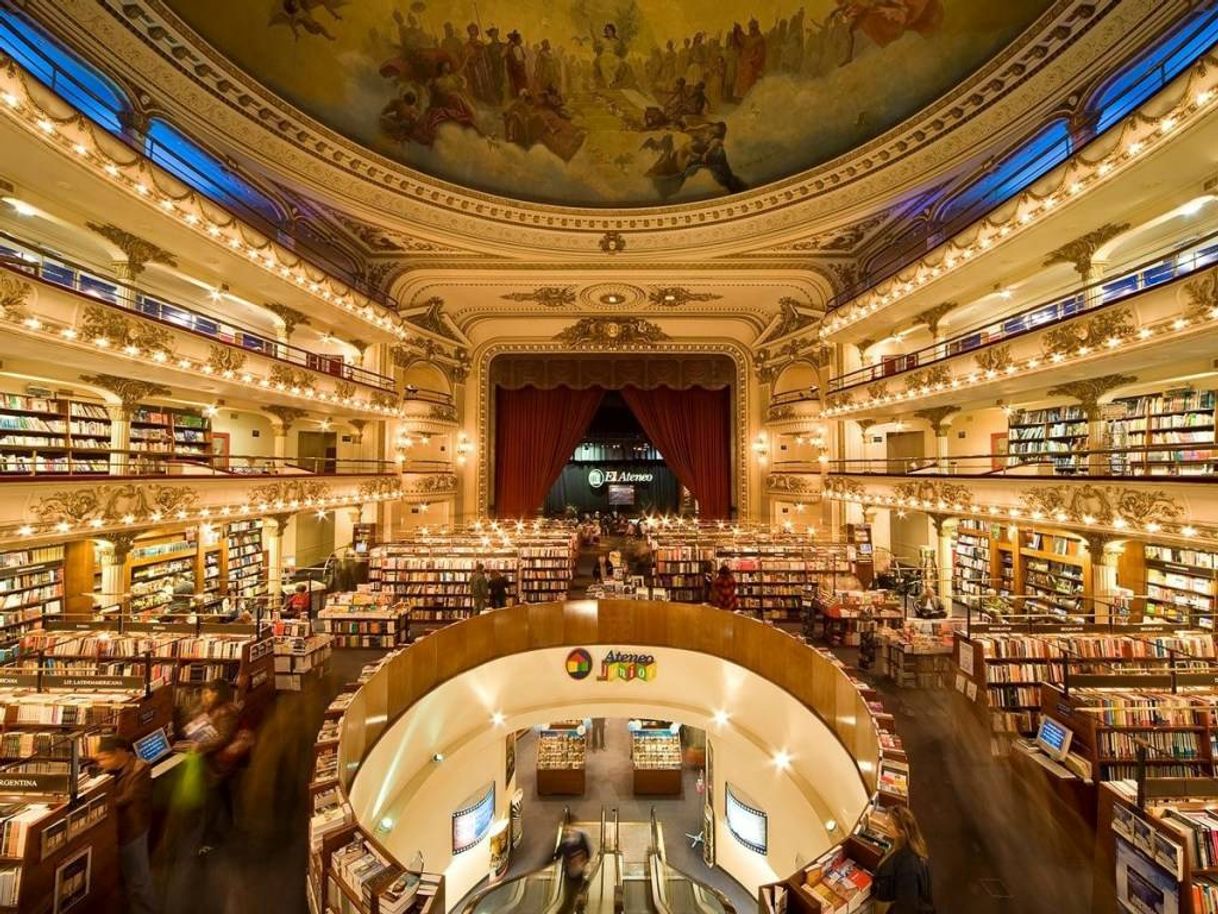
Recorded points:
(432, 319)
(791, 319)
(1105, 505)
(14, 295)
(934, 493)
(613, 242)
(611, 333)
(101, 322)
(1089, 391)
(432, 484)
(380, 488)
(106, 505)
(286, 377)
(676, 296)
(793, 483)
(130, 391)
(926, 378)
(995, 360)
(931, 317)
(546, 296)
(1080, 252)
(1202, 295)
(289, 493)
(1104, 329)
(139, 252)
(225, 360)
(287, 415)
(290, 317)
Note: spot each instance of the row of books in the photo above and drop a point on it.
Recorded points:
(1180, 744)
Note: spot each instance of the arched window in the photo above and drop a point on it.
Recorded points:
(1031, 160)
(182, 157)
(72, 79)
(1157, 67)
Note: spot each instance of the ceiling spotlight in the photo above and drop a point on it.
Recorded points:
(721, 717)
(438, 757)
(497, 718)
(782, 760)
(20, 207)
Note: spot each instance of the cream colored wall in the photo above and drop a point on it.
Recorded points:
(240, 426)
(978, 426)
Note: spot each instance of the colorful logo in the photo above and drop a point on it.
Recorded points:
(579, 664)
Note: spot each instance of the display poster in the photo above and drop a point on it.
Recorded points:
(1142, 886)
(748, 824)
(509, 766)
(501, 846)
(473, 820)
(966, 658)
(72, 881)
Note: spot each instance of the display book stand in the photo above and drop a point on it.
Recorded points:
(561, 754)
(843, 615)
(364, 619)
(840, 880)
(350, 872)
(657, 762)
(1000, 666)
(919, 654)
(58, 839)
(300, 653)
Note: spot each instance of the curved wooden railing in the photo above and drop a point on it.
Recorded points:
(807, 674)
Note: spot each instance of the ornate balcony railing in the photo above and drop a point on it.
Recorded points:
(18, 463)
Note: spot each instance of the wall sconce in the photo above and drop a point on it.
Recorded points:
(761, 447)
(465, 447)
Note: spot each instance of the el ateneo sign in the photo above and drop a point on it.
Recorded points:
(598, 477)
(615, 666)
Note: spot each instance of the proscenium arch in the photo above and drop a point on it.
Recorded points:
(825, 700)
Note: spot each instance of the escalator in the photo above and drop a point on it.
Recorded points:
(650, 885)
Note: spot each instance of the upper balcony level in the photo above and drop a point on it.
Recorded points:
(1130, 321)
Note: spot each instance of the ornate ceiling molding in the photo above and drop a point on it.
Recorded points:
(677, 296)
(793, 317)
(546, 296)
(107, 505)
(432, 319)
(138, 251)
(212, 89)
(14, 296)
(931, 317)
(130, 392)
(287, 415)
(1080, 252)
(611, 334)
(290, 317)
(1088, 392)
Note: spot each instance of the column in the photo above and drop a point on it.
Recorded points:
(1091, 276)
(281, 442)
(113, 557)
(944, 529)
(1097, 440)
(1105, 558)
(272, 540)
(120, 439)
(126, 273)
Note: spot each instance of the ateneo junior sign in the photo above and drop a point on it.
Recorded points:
(618, 666)
(598, 477)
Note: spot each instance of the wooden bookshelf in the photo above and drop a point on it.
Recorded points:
(166, 430)
(546, 567)
(1060, 430)
(364, 620)
(1056, 573)
(1179, 582)
(974, 558)
(37, 433)
(246, 560)
(681, 570)
(1181, 421)
(32, 587)
(433, 578)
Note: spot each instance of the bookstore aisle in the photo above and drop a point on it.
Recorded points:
(609, 785)
(984, 831)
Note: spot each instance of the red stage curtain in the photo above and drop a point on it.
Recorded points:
(536, 432)
(692, 429)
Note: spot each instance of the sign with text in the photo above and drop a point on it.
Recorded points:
(614, 666)
(598, 477)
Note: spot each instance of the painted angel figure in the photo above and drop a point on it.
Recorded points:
(298, 14)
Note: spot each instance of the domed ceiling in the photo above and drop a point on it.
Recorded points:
(610, 103)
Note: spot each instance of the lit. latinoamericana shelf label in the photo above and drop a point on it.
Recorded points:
(615, 666)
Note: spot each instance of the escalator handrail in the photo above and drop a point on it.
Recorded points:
(619, 887)
(554, 865)
(728, 907)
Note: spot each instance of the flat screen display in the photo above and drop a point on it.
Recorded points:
(621, 495)
(473, 820)
(1054, 738)
(748, 824)
(1143, 887)
(153, 747)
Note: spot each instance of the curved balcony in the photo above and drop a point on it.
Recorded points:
(428, 480)
(429, 411)
(518, 654)
(1131, 320)
(17, 255)
(793, 410)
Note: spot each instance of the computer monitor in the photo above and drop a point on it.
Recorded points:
(1054, 739)
(153, 747)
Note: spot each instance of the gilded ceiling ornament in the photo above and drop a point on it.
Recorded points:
(1090, 504)
(14, 294)
(292, 378)
(845, 274)
(613, 242)
(290, 316)
(139, 252)
(676, 296)
(1079, 252)
(931, 317)
(131, 392)
(934, 493)
(111, 504)
(381, 486)
(842, 400)
(878, 390)
(358, 425)
(997, 358)
(937, 417)
(611, 333)
(780, 413)
(1202, 295)
(442, 412)
(102, 322)
(432, 320)
(1089, 391)
(865, 343)
(546, 296)
(842, 239)
(925, 378)
(223, 359)
(1090, 334)
(793, 483)
(285, 491)
(383, 400)
(344, 390)
(820, 356)
(845, 487)
(432, 484)
(457, 371)
(791, 319)
(402, 356)
(360, 346)
(287, 415)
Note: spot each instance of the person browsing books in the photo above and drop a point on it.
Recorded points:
(498, 589)
(930, 605)
(299, 603)
(723, 591)
(133, 812)
(903, 878)
(478, 589)
(211, 735)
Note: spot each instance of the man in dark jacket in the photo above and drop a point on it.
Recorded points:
(133, 811)
(498, 589)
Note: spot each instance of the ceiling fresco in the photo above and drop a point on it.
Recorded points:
(610, 103)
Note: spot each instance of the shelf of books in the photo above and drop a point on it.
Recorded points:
(972, 559)
(158, 569)
(1060, 430)
(31, 588)
(1001, 672)
(246, 559)
(162, 430)
(561, 753)
(1181, 422)
(656, 758)
(357, 876)
(433, 579)
(300, 653)
(1056, 573)
(38, 433)
(1180, 583)
(547, 565)
(364, 619)
(1161, 846)
(773, 579)
(681, 570)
